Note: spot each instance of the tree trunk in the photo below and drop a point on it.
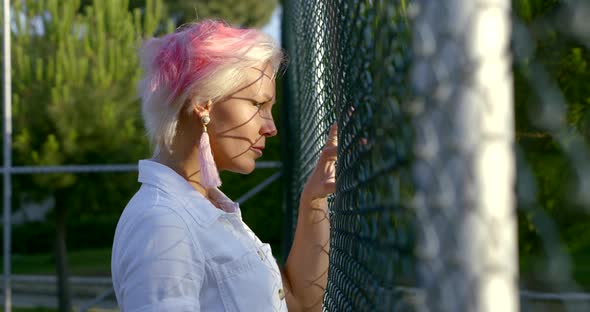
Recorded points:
(61, 257)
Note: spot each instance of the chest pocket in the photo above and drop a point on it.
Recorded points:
(251, 282)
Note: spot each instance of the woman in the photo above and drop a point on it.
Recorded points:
(180, 244)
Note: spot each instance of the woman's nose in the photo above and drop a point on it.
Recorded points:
(269, 129)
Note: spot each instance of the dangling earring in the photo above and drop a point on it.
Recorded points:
(209, 174)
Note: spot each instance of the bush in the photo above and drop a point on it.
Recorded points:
(39, 237)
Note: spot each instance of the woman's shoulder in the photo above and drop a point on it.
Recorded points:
(154, 248)
(147, 226)
(154, 209)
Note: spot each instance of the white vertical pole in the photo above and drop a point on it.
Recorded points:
(7, 154)
(464, 169)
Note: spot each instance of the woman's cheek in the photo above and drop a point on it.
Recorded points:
(241, 115)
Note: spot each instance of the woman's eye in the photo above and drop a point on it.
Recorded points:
(258, 105)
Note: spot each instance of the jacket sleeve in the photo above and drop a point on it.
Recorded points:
(161, 267)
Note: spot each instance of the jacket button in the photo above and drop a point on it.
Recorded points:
(281, 294)
(261, 255)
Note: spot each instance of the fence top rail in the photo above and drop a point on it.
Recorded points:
(524, 294)
(560, 296)
(101, 168)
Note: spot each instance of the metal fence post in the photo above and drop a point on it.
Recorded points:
(464, 170)
(7, 152)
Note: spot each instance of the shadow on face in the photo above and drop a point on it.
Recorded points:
(241, 122)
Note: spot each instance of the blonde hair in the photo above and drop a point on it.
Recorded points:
(199, 62)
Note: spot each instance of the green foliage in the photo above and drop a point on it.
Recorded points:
(86, 233)
(93, 262)
(75, 69)
(74, 102)
(564, 60)
(74, 83)
(73, 74)
(74, 99)
(248, 13)
(527, 10)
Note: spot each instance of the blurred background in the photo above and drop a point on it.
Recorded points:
(74, 72)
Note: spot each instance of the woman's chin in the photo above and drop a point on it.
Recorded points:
(248, 169)
(244, 168)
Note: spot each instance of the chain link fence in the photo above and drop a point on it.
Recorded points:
(338, 71)
(463, 160)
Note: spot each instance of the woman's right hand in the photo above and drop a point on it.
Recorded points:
(322, 181)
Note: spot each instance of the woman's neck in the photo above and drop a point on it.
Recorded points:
(186, 164)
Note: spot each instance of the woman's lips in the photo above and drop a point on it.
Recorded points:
(257, 150)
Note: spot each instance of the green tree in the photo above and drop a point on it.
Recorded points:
(74, 100)
(563, 60)
(247, 13)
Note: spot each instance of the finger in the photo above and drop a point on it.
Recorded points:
(330, 168)
(333, 135)
(329, 153)
(330, 186)
(330, 149)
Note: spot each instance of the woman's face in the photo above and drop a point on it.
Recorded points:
(241, 122)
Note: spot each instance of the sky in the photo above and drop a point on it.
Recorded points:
(273, 28)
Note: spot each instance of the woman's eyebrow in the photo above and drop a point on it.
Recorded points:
(267, 98)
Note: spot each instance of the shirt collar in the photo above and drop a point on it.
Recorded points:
(223, 201)
(166, 179)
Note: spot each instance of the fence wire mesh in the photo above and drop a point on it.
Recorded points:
(344, 65)
(443, 155)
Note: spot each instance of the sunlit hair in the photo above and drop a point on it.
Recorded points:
(200, 61)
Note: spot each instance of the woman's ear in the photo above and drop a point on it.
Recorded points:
(202, 109)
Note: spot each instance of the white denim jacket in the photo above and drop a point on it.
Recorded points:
(175, 251)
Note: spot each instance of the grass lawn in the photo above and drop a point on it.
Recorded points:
(90, 262)
(33, 310)
(97, 262)
(582, 270)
